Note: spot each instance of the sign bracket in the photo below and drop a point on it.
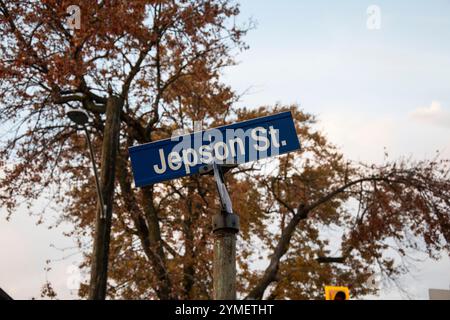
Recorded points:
(226, 219)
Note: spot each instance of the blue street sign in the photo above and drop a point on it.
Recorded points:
(236, 143)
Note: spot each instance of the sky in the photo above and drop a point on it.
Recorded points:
(374, 85)
(376, 82)
(370, 88)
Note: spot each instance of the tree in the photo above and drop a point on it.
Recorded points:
(162, 62)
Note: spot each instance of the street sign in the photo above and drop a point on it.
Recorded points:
(233, 144)
(336, 293)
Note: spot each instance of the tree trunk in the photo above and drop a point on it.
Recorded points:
(156, 248)
(188, 222)
(99, 266)
(257, 293)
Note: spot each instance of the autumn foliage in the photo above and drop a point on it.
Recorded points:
(164, 59)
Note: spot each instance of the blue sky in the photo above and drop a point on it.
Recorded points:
(370, 89)
(323, 54)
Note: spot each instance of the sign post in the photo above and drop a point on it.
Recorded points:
(225, 228)
(213, 150)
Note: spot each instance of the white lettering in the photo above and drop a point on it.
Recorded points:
(230, 149)
(163, 163)
(220, 145)
(174, 160)
(205, 154)
(187, 310)
(233, 143)
(262, 139)
(273, 135)
(188, 163)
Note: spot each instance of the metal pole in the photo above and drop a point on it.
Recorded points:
(97, 181)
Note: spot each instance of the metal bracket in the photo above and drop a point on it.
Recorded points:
(226, 219)
(222, 188)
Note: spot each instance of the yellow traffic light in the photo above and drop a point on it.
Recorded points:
(336, 293)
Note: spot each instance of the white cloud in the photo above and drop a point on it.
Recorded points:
(363, 136)
(433, 114)
(359, 136)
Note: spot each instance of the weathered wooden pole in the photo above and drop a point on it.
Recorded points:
(226, 226)
(99, 265)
